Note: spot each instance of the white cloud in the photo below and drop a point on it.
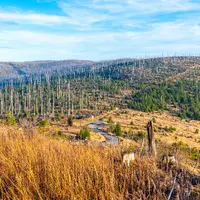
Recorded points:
(83, 14)
(130, 13)
(38, 38)
(159, 6)
(166, 38)
(53, 39)
(38, 19)
(134, 6)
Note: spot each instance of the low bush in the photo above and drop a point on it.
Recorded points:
(44, 123)
(85, 133)
(70, 121)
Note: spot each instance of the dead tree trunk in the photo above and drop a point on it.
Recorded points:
(151, 139)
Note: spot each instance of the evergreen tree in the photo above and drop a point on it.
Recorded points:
(118, 130)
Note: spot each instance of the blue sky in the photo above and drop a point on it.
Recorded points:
(97, 29)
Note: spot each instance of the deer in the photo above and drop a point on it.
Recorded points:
(169, 159)
(128, 157)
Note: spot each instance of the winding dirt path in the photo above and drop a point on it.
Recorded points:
(96, 127)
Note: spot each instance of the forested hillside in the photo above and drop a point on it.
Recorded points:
(59, 88)
(180, 97)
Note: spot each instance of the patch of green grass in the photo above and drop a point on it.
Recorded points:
(44, 123)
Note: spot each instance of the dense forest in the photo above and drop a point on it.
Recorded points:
(182, 97)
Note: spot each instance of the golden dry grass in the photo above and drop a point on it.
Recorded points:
(69, 131)
(185, 130)
(42, 168)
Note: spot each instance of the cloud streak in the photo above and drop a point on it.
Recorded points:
(36, 19)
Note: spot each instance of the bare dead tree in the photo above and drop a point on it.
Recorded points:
(151, 138)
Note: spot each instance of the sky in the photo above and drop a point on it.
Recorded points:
(98, 29)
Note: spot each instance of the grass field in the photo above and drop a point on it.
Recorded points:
(42, 168)
(135, 121)
(36, 164)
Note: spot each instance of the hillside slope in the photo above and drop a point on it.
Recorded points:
(12, 70)
(148, 68)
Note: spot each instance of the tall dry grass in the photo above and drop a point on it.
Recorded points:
(43, 168)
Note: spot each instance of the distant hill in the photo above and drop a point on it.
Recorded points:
(121, 68)
(10, 70)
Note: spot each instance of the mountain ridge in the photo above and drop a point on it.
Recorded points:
(13, 70)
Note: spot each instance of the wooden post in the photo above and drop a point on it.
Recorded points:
(151, 139)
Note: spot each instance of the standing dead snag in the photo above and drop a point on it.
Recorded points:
(151, 139)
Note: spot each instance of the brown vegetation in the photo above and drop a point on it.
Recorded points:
(42, 168)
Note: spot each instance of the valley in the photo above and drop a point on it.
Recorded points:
(99, 100)
(78, 118)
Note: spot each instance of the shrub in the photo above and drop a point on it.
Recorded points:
(155, 129)
(172, 129)
(154, 120)
(141, 134)
(9, 119)
(110, 120)
(58, 116)
(118, 130)
(131, 123)
(44, 123)
(194, 153)
(197, 131)
(70, 121)
(85, 133)
(180, 145)
(111, 128)
(130, 133)
(60, 134)
(118, 114)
